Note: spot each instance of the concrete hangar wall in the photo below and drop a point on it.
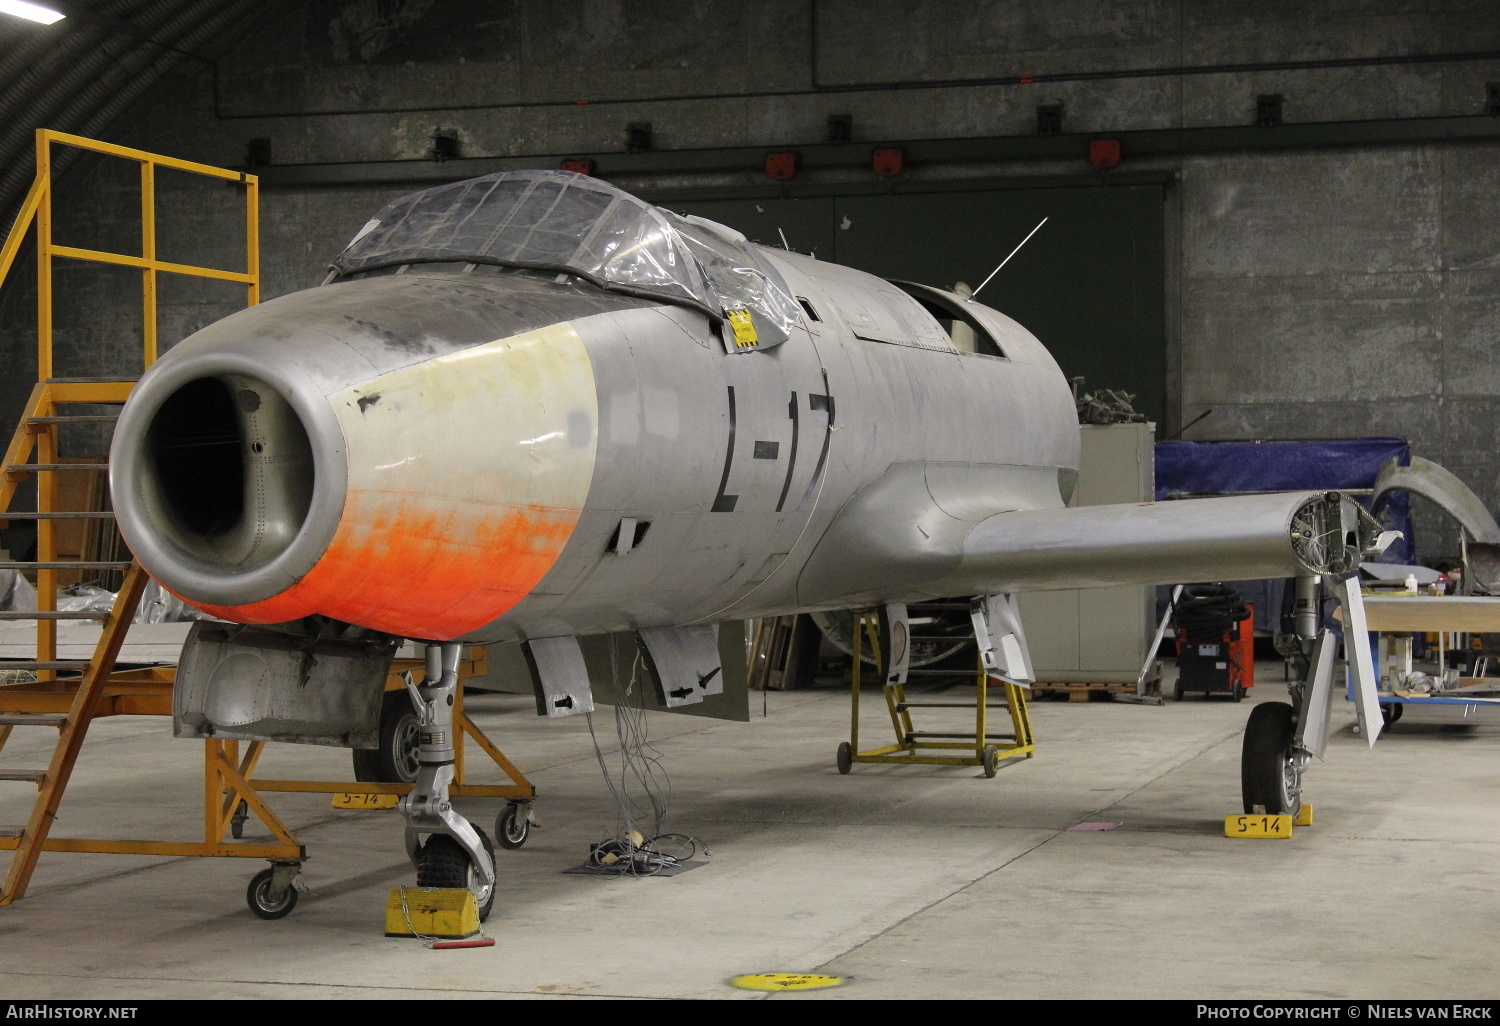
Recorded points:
(1318, 291)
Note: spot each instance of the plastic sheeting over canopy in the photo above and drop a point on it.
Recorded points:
(558, 220)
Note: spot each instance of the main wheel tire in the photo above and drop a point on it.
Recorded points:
(845, 758)
(258, 897)
(1268, 773)
(442, 862)
(990, 760)
(395, 761)
(513, 825)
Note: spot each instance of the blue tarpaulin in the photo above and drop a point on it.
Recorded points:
(1186, 469)
(1235, 468)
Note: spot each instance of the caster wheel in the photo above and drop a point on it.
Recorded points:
(1270, 774)
(1390, 712)
(845, 758)
(1239, 692)
(513, 825)
(1177, 693)
(991, 760)
(442, 862)
(258, 897)
(237, 822)
(395, 761)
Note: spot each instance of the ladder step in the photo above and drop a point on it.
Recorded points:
(91, 418)
(61, 515)
(43, 664)
(960, 737)
(33, 719)
(24, 776)
(92, 381)
(49, 614)
(10, 831)
(113, 565)
(29, 468)
(903, 706)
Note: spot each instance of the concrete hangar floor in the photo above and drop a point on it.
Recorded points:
(909, 881)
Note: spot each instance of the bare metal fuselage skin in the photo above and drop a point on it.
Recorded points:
(472, 439)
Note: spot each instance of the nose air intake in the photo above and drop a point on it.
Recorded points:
(228, 477)
(228, 470)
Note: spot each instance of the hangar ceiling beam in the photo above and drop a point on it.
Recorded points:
(1133, 144)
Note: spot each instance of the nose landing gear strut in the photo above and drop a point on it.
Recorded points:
(456, 853)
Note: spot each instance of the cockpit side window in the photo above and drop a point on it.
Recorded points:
(969, 336)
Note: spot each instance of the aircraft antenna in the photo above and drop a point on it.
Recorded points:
(1012, 253)
(783, 240)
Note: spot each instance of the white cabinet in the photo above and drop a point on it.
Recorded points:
(1099, 635)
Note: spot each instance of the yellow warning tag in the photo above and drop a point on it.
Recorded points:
(355, 800)
(785, 981)
(744, 329)
(1258, 826)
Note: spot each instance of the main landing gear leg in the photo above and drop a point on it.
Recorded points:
(456, 853)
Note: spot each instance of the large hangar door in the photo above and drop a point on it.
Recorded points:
(1090, 284)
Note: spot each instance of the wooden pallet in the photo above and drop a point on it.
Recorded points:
(1084, 691)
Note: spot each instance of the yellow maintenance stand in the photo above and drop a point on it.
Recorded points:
(981, 748)
(66, 695)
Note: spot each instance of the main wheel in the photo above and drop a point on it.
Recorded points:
(395, 761)
(442, 862)
(258, 897)
(845, 758)
(991, 760)
(513, 825)
(1270, 776)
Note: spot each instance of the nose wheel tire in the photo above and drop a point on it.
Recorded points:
(442, 862)
(513, 825)
(1270, 773)
(395, 761)
(258, 897)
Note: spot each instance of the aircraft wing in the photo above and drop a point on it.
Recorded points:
(1242, 537)
(919, 543)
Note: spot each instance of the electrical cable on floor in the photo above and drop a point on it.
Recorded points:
(632, 851)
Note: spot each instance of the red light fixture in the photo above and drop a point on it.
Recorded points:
(888, 163)
(1104, 153)
(781, 166)
(578, 165)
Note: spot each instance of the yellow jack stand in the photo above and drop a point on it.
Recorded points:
(983, 749)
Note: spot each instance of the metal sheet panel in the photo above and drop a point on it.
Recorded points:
(559, 677)
(280, 684)
(1361, 659)
(685, 662)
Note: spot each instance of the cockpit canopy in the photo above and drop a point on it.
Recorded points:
(558, 220)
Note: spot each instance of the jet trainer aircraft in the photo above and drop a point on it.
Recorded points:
(531, 407)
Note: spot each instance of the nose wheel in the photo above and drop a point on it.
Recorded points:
(442, 862)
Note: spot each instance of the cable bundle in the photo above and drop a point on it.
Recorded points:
(1205, 612)
(643, 791)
